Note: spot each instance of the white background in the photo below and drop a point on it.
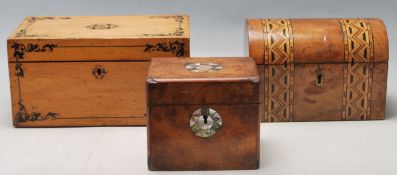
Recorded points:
(217, 29)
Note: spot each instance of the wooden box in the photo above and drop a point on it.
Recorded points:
(203, 114)
(320, 69)
(88, 71)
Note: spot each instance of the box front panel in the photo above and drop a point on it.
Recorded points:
(321, 92)
(172, 144)
(78, 93)
(318, 92)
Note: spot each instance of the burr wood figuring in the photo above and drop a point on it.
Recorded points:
(320, 69)
(203, 114)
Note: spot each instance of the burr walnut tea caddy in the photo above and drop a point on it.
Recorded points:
(320, 69)
(203, 114)
(88, 71)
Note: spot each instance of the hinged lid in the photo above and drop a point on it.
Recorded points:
(203, 81)
(281, 41)
(79, 38)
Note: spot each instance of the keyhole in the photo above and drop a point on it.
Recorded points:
(319, 80)
(204, 113)
(99, 71)
(319, 77)
(205, 122)
(205, 118)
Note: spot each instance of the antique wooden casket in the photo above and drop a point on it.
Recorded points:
(203, 114)
(320, 69)
(88, 71)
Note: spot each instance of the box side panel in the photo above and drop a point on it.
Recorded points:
(174, 146)
(256, 40)
(262, 95)
(381, 41)
(21, 50)
(78, 93)
(379, 89)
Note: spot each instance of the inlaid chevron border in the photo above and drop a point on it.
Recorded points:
(359, 47)
(279, 74)
(278, 55)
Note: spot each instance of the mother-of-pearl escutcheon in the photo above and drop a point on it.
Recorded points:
(205, 122)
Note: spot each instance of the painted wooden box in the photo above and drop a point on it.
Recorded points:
(320, 69)
(88, 71)
(203, 114)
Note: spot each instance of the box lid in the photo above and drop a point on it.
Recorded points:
(348, 40)
(217, 69)
(77, 38)
(202, 81)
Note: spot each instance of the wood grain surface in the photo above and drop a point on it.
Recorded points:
(174, 93)
(174, 70)
(320, 69)
(88, 71)
(73, 92)
(82, 38)
(78, 27)
(173, 146)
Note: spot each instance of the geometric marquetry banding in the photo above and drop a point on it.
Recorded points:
(278, 72)
(278, 41)
(358, 69)
(358, 40)
(359, 56)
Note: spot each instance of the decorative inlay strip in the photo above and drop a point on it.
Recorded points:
(279, 69)
(176, 47)
(101, 26)
(24, 32)
(358, 72)
(20, 49)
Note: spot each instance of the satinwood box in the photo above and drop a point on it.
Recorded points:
(88, 70)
